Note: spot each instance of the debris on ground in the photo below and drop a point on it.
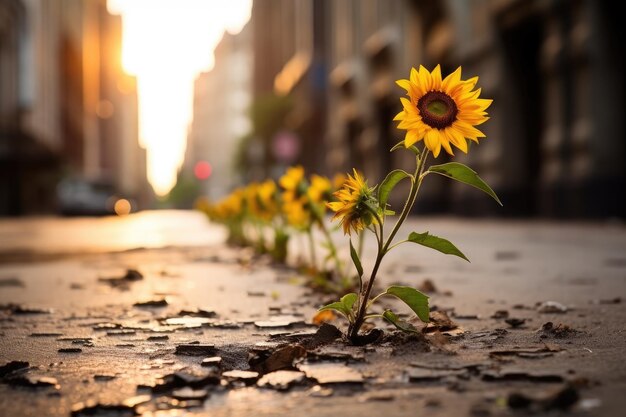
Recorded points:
(427, 286)
(123, 281)
(500, 314)
(502, 376)
(561, 399)
(549, 329)
(616, 300)
(247, 377)
(10, 367)
(96, 409)
(439, 321)
(280, 380)
(551, 307)
(215, 361)
(515, 322)
(545, 351)
(18, 309)
(157, 302)
(195, 349)
(331, 373)
(283, 358)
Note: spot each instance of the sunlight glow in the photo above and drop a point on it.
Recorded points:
(166, 44)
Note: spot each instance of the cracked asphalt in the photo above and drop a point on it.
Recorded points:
(75, 342)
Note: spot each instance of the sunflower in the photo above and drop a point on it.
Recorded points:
(293, 183)
(356, 204)
(442, 112)
(263, 202)
(320, 189)
(297, 215)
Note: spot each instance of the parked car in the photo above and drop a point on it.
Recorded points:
(79, 197)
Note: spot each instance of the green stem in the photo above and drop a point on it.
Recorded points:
(360, 244)
(377, 217)
(373, 300)
(353, 330)
(396, 244)
(415, 186)
(309, 233)
(331, 244)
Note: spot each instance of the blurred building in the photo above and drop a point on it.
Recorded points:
(67, 110)
(220, 117)
(290, 45)
(555, 144)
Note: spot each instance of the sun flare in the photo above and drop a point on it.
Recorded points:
(166, 44)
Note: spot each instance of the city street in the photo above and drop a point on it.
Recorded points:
(114, 316)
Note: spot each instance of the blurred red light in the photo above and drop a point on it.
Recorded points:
(202, 170)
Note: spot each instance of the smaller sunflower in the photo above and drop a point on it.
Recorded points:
(293, 183)
(296, 214)
(265, 199)
(355, 204)
(320, 189)
(441, 112)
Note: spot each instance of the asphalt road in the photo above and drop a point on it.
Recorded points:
(54, 296)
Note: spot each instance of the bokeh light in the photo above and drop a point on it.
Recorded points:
(202, 170)
(122, 207)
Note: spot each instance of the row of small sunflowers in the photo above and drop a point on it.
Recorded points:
(267, 215)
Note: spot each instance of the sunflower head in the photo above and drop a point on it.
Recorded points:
(229, 208)
(296, 214)
(320, 190)
(355, 205)
(263, 202)
(294, 183)
(441, 112)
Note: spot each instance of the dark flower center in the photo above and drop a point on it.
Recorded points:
(437, 109)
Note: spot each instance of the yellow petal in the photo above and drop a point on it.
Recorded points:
(406, 84)
(445, 143)
(412, 137)
(468, 130)
(432, 141)
(424, 79)
(400, 116)
(408, 106)
(436, 78)
(414, 77)
(456, 138)
(451, 81)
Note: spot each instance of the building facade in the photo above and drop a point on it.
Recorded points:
(67, 110)
(220, 117)
(555, 143)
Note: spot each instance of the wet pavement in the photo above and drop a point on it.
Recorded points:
(152, 315)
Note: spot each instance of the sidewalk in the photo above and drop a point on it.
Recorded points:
(56, 293)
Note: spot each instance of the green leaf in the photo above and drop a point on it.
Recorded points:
(400, 145)
(405, 326)
(434, 242)
(463, 174)
(417, 301)
(344, 305)
(356, 260)
(392, 179)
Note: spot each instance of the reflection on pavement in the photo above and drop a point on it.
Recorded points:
(147, 229)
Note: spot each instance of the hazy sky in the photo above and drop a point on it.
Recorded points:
(166, 43)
